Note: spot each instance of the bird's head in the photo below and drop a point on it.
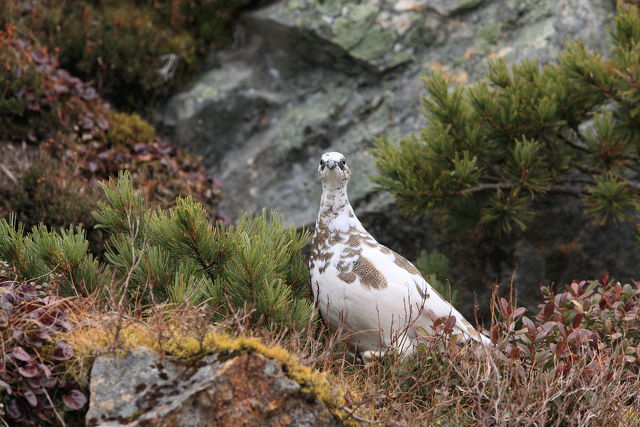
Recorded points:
(333, 170)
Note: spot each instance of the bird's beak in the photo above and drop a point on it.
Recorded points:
(331, 164)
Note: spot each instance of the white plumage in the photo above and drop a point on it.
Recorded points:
(376, 296)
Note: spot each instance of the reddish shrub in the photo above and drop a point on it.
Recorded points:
(597, 320)
(33, 385)
(81, 140)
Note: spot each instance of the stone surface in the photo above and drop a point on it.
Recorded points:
(308, 76)
(142, 389)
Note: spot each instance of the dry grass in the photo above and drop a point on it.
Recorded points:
(470, 386)
(447, 384)
(545, 369)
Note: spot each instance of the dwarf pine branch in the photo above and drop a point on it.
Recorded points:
(171, 256)
(492, 150)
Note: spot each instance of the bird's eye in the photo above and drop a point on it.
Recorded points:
(321, 162)
(343, 162)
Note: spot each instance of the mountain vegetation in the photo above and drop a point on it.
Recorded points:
(493, 150)
(111, 239)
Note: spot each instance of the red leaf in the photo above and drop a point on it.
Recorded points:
(42, 334)
(86, 123)
(519, 312)
(30, 396)
(541, 335)
(562, 330)
(89, 94)
(515, 351)
(74, 399)
(45, 370)
(604, 279)
(104, 124)
(30, 370)
(504, 307)
(548, 310)
(494, 334)
(575, 288)
(528, 323)
(21, 354)
(35, 383)
(451, 322)
(6, 387)
(14, 411)
(577, 320)
(19, 336)
(48, 382)
(63, 351)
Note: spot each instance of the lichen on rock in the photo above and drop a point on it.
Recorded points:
(143, 388)
(109, 341)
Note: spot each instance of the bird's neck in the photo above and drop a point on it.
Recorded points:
(336, 212)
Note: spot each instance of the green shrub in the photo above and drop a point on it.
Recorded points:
(493, 150)
(177, 255)
(173, 255)
(434, 267)
(80, 140)
(47, 192)
(44, 253)
(134, 51)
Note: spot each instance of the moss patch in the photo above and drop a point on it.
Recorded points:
(90, 340)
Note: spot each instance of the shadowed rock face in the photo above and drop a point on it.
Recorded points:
(141, 389)
(307, 77)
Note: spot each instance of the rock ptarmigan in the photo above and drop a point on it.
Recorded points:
(376, 296)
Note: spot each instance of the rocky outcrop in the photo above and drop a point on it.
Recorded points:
(305, 77)
(309, 76)
(247, 389)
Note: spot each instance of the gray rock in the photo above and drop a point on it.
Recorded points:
(142, 389)
(309, 76)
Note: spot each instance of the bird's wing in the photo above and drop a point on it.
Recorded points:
(400, 273)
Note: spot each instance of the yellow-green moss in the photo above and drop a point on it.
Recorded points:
(128, 129)
(89, 341)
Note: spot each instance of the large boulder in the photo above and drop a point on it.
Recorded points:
(305, 77)
(248, 389)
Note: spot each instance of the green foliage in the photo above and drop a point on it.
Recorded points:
(47, 192)
(45, 254)
(129, 129)
(278, 282)
(14, 249)
(434, 267)
(494, 149)
(123, 206)
(134, 51)
(175, 255)
(79, 140)
(178, 255)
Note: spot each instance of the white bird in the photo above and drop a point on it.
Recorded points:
(377, 297)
